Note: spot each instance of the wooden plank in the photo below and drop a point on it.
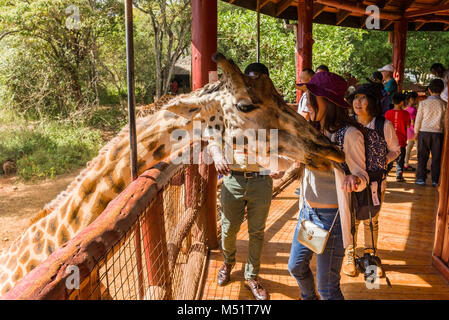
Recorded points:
(341, 16)
(442, 268)
(419, 25)
(264, 3)
(441, 214)
(318, 9)
(282, 6)
(423, 12)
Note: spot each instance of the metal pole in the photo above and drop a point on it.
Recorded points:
(132, 130)
(258, 30)
(131, 94)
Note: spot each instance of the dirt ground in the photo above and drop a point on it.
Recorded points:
(20, 201)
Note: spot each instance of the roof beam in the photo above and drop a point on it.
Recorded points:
(423, 12)
(419, 25)
(438, 19)
(282, 6)
(318, 9)
(387, 24)
(341, 16)
(356, 8)
(264, 2)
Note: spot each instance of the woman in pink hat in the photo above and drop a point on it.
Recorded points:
(325, 196)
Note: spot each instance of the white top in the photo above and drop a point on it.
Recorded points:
(445, 79)
(353, 147)
(302, 105)
(430, 115)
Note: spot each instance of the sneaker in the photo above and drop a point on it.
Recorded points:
(400, 179)
(410, 169)
(297, 192)
(349, 267)
(434, 184)
(420, 182)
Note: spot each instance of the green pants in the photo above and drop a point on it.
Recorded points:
(237, 193)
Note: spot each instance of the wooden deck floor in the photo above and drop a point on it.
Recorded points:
(406, 238)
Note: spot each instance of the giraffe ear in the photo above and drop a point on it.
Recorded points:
(183, 109)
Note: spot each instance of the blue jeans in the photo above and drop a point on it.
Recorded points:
(328, 263)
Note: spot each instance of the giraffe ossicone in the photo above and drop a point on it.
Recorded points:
(230, 106)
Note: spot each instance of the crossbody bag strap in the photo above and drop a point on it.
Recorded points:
(335, 218)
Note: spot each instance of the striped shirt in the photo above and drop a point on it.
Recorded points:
(430, 116)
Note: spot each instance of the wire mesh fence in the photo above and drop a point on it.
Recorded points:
(163, 254)
(151, 242)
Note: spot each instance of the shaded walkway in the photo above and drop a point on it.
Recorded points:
(405, 246)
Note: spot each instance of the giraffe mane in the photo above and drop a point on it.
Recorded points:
(52, 205)
(145, 112)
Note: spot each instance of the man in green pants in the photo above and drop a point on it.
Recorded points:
(249, 186)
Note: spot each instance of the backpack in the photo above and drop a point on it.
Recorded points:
(369, 200)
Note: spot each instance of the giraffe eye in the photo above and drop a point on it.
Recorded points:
(246, 107)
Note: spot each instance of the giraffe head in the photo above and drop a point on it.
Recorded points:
(239, 104)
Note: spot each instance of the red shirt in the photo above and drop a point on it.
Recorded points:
(400, 120)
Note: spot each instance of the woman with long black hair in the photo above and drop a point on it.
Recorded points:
(326, 195)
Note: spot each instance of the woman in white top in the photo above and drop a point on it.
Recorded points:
(326, 194)
(367, 108)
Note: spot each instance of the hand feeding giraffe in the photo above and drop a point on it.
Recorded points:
(234, 103)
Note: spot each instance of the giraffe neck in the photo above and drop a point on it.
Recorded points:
(84, 200)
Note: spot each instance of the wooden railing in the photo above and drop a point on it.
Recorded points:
(151, 242)
(440, 256)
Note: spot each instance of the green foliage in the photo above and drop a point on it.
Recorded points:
(237, 39)
(45, 150)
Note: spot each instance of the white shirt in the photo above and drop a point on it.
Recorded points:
(430, 115)
(445, 79)
(302, 105)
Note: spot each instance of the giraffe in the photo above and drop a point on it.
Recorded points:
(229, 105)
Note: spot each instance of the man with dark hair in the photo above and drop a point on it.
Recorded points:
(401, 122)
(438, 70)
(256, 68)
(246, 187)
(429, 126)
(322, 68)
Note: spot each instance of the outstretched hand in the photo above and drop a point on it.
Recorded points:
(221, 165)
(351, 183)
(277, 174)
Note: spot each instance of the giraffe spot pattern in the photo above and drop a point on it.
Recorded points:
(52, 227)
(159, 153)
(63, 235)
(32, 264)
(24, 258)
(50, 247)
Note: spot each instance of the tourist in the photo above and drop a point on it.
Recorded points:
(367, 108)
(429, 126)
(322, 68)
(245, 186)
(401, 122)
(326, 194)
(411, 101)
(439, 71)
(390, 84)
(304, 77)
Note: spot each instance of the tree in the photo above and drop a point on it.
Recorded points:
(171, 20)
(61, 39)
